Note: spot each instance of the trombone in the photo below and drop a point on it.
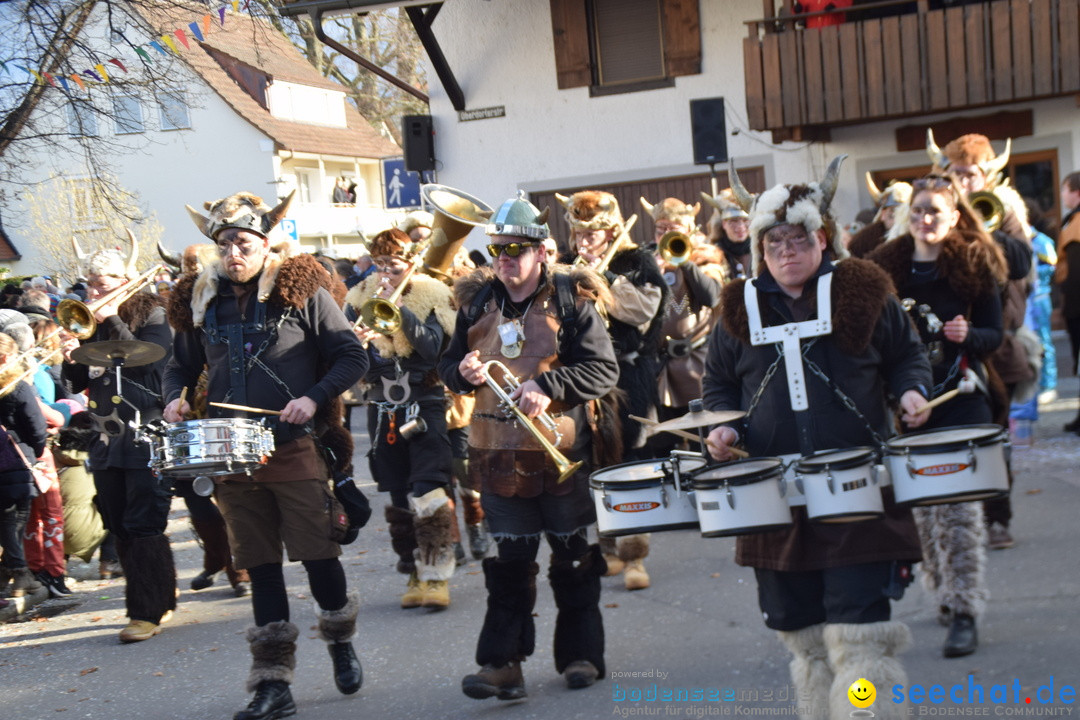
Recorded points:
(78, 318)
(508, 406)
(382, 314)
(674, 247)
(989, 207)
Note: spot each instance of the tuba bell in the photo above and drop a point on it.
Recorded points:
(989, 207)
(456, 214)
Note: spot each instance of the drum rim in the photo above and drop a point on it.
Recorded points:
(815, 466)
(995, 434)
(229, 422)
(739, 480)
(623, 532)
(601, 484)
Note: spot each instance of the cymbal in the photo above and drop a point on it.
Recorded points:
(127, 353)
(691, 420)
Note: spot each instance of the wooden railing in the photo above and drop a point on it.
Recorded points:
(802, 81)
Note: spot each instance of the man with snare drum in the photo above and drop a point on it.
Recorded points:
(825, 587)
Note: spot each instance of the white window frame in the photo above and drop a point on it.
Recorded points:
(127, 126)
(166, 122)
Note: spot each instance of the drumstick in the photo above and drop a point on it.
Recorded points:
(940, 399)
(688, 436)
(183, 395)
(246, 408)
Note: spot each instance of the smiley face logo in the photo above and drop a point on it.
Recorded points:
(862, 693)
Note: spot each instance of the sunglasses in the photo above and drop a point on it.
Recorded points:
(511, 249)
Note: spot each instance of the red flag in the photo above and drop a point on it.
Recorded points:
(179, 32)
(118, 64)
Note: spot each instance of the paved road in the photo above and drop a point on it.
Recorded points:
(697, 627)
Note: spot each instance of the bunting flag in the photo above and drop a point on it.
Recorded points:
(78, 81)
(91, 74)
(168, 41)
(194, 27)
(101, 71)
(179, 33)
(206, 24)
(35, 73)
(143, 54)
(157, 46)
(236, 6)
(50, 79)
(221, 14)
(118, 64)
(63, 81)
(3, 66)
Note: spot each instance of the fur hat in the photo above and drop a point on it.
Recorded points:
(109, 261)
(415, 219)
(806, 205)
(591, 210)
(243, 210)
(970, 149)
(673, 210)
(391, 243)
(726, 204)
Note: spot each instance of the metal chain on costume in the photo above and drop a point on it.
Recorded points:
(253, 359)
(148, 391)
(764, 382)
(953, 370)
(844, 399)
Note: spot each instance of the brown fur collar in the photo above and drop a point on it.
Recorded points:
(292, 283)
(587, 284)
(867, 240)
(972, 262)
(135, 310)
(859, 292)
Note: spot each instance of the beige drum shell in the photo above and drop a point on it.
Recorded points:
(641, 497)
(856, 490)
(742, 497)
(934, 467)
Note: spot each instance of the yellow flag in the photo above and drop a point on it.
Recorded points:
(101, 71)
(168, 41)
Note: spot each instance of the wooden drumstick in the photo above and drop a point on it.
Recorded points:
(733, 450)
(180, 405)
(939, 400)
(686, 435)
(246, 408)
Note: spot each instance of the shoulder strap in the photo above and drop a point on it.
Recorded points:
(566, 304)
(477, 305)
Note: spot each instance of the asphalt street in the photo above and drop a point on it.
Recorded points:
(696, 629)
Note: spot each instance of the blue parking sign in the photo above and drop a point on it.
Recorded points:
(401, 187)
(289, 228)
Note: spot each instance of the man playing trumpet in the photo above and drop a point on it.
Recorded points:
(541, 323)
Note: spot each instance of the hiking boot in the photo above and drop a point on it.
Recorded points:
(109, 569)
(203, 580)
(23, 583)
(272, 700)
(999, 537)
(479, 540)
(963, 638)
(504, 683)
(580, 674)
(634, 576)
(414, 593)
(348, 676)
(436, 594)
(139, 630)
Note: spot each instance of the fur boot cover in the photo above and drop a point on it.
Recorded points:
(633, 547)
(273, 653)
(509, 632)
(336, 626)
(954, 548)
(402, 537)
(579, 626)
(434, 523)
(151, 577)
(423, 296)
(867, 651)
(810, 671)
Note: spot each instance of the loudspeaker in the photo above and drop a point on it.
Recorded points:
(709, 131)
(418, 142)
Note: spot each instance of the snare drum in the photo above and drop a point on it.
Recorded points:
(841, 485)
(951, 465)
(645, 496)
(209, 447)
(742, 497)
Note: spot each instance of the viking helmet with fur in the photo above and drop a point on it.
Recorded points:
(591, 210)
(673, 210)
(970, 149)
(109, 261)
(806, 205)
(243, 210)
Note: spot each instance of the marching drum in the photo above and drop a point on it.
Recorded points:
(209, 447)
(741, 497)
(951, 465)
(841, 485)
(645, 496)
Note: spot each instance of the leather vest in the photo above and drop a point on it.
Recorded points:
(682, 368)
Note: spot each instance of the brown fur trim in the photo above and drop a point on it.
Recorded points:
(339, 625)
(273, 652)
(860, 290)
(970, 149)
(298, 279)
(633, 547)
(178, 307)
(867, 240)
(607, 442)
(135, 310)
(972, 262)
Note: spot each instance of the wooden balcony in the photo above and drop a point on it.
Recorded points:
(802, 81)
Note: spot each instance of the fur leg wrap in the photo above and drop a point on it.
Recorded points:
(579, 626)
(509, 632)
(931, 562)
(151, 577)
(470, 506)
(273, 653)
(810, 670)
(339, 625)
(958, 536)
(633, 547)
(867, 651)
(402, 537)
(433, 525)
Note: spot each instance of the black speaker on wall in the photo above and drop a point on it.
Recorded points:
(709, 131)
(418, 142)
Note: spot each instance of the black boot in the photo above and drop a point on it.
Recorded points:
(272, 700)
(348, 675)
(1074, 425)
(963, 638)
(579, 627)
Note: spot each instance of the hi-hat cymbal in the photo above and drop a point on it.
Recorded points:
(691, 420)
(127, 353)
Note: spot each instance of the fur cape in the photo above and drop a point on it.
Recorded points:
(135, 311)
(423, 295)
(587, 285)
(860, 290)
(972, 262)
(285, 282)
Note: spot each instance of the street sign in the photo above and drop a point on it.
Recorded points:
(401, 187)
(289, 228)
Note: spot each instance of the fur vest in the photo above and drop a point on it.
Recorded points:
(971, 262)
(423, 296)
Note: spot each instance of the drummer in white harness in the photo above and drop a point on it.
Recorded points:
(845, 344)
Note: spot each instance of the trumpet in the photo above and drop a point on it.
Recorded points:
(508, 406)
(674, 247)
(382, 314)
(989, 207)
(78, 318)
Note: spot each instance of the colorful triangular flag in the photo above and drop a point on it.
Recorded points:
(194, 27)
(118, 64)
(78, 81)
(50, 79)
(101, 71)
(168, 41)
(157, 46)
(179, 33)
(91, 74)
(221, 14)
(63, 81)
(143, 54)
(206, 24)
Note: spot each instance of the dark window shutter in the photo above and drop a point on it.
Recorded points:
(682, 37)
(570, 30)
(628, 41)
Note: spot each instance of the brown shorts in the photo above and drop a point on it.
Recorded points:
(263, 516)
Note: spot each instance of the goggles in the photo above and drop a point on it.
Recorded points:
(511, 249)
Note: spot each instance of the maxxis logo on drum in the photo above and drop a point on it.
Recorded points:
(635, 507)
(946, 469)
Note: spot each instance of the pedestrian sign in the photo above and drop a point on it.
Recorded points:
(401, 187)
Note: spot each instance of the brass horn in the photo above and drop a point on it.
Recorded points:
(989, 207)
(382, 314)
(674, 247)
(565, 467)
(78, 318)
(456, 214)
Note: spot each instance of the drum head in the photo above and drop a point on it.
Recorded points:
(836, 459)
(643, 473)
(738, 472)
(946, 439)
